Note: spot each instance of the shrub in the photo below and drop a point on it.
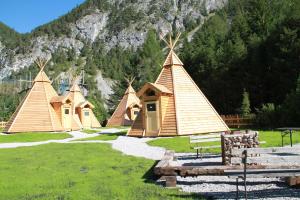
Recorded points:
(267, 116)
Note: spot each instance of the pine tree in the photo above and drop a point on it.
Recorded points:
(298, 87)
(245, 109)
(150, 58)
(118, 88)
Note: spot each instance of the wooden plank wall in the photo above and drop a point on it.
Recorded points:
(237, 121)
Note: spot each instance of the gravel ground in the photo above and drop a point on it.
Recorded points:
(222, 187)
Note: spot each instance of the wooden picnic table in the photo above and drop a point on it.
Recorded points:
(288, 130)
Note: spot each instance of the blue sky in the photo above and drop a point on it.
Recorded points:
(25, 15)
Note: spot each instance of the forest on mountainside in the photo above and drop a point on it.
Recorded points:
(249, 51)
(252, 46)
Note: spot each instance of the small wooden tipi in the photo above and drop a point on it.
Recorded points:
(82, 110)
(174, 105)
(127, 109)
(35, 112)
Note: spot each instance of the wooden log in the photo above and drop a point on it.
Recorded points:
(257, 173)
(171, 181)
(282, 160)
(265, 175)
(212, 170)
(293, 181)
(292, 150)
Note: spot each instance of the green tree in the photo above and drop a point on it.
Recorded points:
(290, 109)
(245, 109)
(119, 87)
(150, 58)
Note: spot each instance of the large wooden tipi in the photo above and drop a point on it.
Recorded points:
(174, 105)
(35, 112)
(128, 108)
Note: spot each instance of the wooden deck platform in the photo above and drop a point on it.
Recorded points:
(211, 165)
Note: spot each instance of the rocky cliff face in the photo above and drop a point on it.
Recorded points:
(125, 24)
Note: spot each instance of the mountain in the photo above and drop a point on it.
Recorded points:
(122, 23)
(105, 38)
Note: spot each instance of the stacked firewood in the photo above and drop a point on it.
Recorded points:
(237, 139)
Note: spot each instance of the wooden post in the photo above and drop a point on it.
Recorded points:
(293, 181)
(171, 181)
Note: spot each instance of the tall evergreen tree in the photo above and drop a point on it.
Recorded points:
(150, 58)
(245, 109)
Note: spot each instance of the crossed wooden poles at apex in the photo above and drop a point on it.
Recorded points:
(170, 43)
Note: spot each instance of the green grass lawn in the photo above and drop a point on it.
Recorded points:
(273, 138)
(89, 131)
(108, 136)
(181, 144)
(32, 137)
(78, 171)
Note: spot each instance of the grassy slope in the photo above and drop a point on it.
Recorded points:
(181, 144)
(32, 137)
(78, 171)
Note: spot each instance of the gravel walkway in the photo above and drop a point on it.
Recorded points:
(222, 187)
(75, 136)
(138, 147)
(127, 145)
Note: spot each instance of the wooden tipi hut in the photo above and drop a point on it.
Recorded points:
(43, 110)
(127, 110)
(35, 112)
(82, 110)
(174, 105)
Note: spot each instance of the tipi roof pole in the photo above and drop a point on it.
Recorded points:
(42, 64)
(130, 80)
(170, 44)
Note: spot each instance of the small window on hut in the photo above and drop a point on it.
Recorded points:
(136, 112)
(150, 93)
(86, 113)
(67, 111)
(151, 107)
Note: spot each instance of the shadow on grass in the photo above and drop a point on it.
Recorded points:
(149, 176)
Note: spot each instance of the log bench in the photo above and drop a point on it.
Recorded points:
(283, 162)
(196, 142)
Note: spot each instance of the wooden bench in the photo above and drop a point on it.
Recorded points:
(196, 142)
(269, 162)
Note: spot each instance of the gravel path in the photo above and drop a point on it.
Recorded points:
(138, 147)
(75, 136)
(222, 187)
(127, 145)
